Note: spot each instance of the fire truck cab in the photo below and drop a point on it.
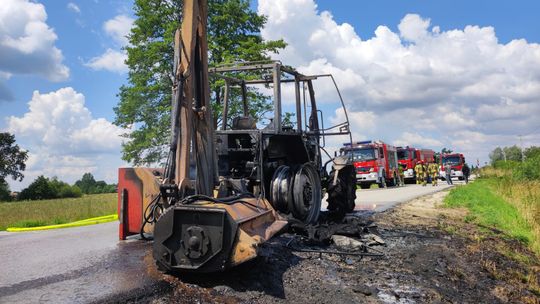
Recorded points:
(407, 160)
(456, 161)
(375, 161)
(408, 157)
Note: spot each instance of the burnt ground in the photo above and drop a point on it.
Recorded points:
(431, 256)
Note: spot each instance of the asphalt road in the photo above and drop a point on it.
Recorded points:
(89, 264)
(379, 200)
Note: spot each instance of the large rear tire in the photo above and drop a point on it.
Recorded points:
(280, 187)
(342, 193)
(297, 190)
(307, 194)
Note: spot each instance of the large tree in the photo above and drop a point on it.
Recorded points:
(144, 107)
(513, 153)
(12, 163)
(89, 185)
(12, 158)
(496, 155)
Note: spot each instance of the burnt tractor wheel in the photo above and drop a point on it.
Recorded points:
(297, 190)
(307, 194)
(342, 191)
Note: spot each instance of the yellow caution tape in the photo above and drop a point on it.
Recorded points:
(85, 222)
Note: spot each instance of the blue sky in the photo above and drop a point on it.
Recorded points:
(80, 38)
(471, 109)
(511, 19)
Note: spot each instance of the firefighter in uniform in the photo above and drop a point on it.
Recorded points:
(433, 170)
(420, 173)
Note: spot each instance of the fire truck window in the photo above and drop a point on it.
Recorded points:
(403, 154)
(452, 160)
(381, 152)
(363, 154)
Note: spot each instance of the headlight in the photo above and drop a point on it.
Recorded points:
(371, 169)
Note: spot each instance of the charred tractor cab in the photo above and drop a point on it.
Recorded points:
(280, 160)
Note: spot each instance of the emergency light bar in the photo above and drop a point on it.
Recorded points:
(365, 142)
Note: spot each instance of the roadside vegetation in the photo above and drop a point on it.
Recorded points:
(56, 211)
(50, 188)
(506, 197)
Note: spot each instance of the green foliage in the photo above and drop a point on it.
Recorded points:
(506, 165)
(12, 158)
(489, 209)
(531, 152)
(528, 170)
(496, 155)
(446, 150)
(44, 188)
(233, 36)
(512, 153)
(4, 191)
(288, 119)
(37, 190)
(89, 185)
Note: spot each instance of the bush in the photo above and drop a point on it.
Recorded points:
(38, 190)
(5, 193)
(505, 165)
(44, 188)
(70, 191)
(89, 185)
(528, 170)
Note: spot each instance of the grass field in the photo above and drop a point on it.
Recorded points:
(56, 211)
(511, 207)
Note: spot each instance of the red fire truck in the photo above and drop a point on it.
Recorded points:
(409, 156)
(375, 162)
(456, 161)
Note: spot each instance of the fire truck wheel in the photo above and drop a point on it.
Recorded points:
(342, 194)
(364, 186)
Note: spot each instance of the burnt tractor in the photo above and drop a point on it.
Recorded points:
(281, 162)
(223, 192)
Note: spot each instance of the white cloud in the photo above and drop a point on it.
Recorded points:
(63, 138)
(113, 59)
(27, 43)
(74, 7)
(414, 28)
(118, 28)
(415, 139)
(363, 121)
(421, 83)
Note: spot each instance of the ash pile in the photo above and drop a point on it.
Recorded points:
(352, 236)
